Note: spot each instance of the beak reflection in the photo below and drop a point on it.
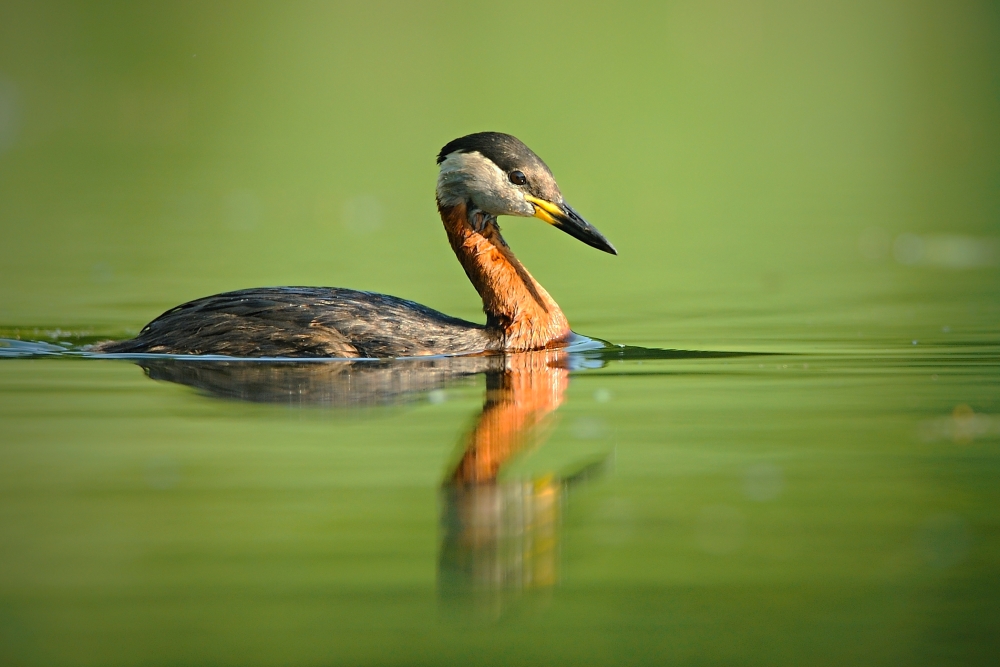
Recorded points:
(564, 217)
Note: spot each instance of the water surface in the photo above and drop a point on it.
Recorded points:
(673, 507)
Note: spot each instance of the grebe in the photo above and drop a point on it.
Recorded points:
(482, 176)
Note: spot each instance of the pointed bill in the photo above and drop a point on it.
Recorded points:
(562, 216)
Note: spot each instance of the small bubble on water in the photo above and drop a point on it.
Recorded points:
(914, 342)
(946, 329)
(602, 395)
(437, 396)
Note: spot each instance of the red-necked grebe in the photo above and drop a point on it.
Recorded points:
(483, 175)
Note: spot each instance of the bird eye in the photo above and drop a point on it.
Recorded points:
(517, 178)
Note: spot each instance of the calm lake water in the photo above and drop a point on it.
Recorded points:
(839, 506)
(788, 452)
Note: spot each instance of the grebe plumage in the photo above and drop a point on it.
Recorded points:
(482, 176)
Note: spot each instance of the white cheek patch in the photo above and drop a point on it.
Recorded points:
(472, 177)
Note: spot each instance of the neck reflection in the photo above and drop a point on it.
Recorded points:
(519, 397)
(499, 538)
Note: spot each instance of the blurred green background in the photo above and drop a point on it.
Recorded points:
(755, 156)
(816, 180)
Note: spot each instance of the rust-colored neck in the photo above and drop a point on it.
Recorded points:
(518, 400)
(515, 304)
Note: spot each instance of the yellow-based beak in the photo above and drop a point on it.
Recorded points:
(562, 216)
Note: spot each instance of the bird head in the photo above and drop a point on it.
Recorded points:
(497, 174)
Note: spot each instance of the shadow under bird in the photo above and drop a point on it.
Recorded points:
(482, 176)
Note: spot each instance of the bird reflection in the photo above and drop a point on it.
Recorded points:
(499, 537)
(519, 396)
(337, 384)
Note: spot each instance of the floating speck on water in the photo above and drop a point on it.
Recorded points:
(946, 329)
(437, 396)
(914, 342)
(934, 378)
(962, 427)
(602, 395)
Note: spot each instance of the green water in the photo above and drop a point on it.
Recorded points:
(813, 189)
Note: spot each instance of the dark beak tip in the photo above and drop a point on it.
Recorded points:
(605, 246)
(574, 224)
